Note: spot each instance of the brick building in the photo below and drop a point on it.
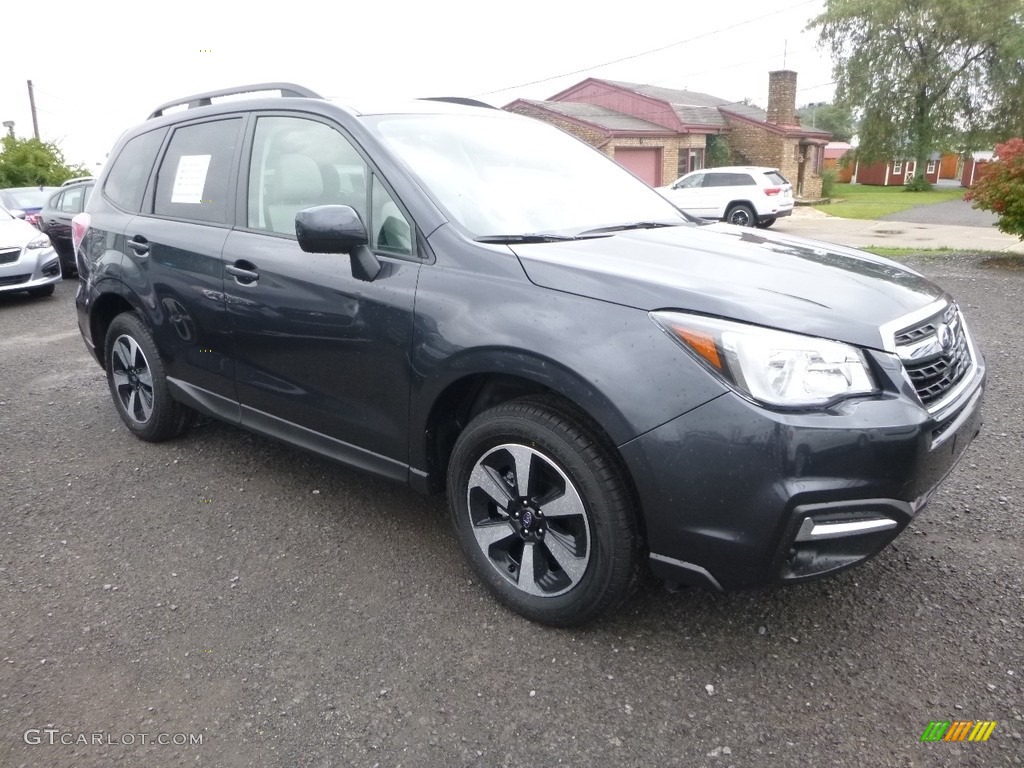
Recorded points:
(661, 133)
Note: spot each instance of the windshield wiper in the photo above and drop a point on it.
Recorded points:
(631, 225)
(532, 237)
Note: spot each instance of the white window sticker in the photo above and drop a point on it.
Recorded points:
(190, 179)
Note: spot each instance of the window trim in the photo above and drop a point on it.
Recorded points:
(419, 255)
(149, 197)
(897, 167)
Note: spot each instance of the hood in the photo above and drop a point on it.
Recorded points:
(17, 233)
(768, 279)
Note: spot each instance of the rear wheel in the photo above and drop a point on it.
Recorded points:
(543, 512)
(67, 258)
(741, 214)
(138, 385)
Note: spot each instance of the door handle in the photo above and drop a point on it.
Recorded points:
(241, 273)
(139, 244)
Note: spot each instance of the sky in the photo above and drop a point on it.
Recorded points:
(108, 63)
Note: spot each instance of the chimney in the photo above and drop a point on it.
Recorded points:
(782, 97)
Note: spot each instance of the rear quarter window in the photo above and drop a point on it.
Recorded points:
(126, 180)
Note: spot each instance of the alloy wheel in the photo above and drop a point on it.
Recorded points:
(529, 520)
(133, 380)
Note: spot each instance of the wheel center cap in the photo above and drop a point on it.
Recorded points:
(527, 518)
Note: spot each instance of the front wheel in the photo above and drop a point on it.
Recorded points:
(543, 513)
(138, 385)
(741, 215)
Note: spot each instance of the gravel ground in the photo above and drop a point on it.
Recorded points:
(293, 613)
(957, 212)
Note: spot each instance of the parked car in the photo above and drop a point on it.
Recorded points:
(25, 202)
(743, 195)
(27, 260)
(463, 299)
(78, 180)
(55, 218)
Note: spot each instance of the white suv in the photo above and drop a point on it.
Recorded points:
(743, 195)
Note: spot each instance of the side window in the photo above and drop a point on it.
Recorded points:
(716, 180)
(71, 201)
(55, 201)
(692, 182)
(298, 163)
(742, 180)
(390, 229)
(192, 182)
(126, 181)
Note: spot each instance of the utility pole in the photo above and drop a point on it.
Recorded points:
(32, 103)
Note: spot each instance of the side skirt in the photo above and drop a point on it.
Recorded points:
(228, 410)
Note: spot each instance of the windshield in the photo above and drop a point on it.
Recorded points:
(27, 197)
(497, 174)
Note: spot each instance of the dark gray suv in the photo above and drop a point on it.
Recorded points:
(470, 301)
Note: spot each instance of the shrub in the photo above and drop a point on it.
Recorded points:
(829, 177)
(918, 184)
(1001, 188)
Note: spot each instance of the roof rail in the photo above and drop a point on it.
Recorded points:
(459, 100)
(288, 90)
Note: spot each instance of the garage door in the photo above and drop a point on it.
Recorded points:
(645, 163)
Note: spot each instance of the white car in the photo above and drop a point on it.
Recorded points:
(27, 259)
(744, 195)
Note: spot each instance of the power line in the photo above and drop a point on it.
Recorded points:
(711, 33)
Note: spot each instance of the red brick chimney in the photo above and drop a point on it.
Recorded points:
(782, 97)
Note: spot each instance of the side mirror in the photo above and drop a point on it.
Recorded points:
(330, 229)
(337, 229)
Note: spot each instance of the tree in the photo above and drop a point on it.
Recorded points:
(1000, 188)
(718, 153)
(923, 73)
(837, 119)
(32, 163)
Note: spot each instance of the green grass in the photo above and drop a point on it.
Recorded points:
(897, 253)
(860, 201)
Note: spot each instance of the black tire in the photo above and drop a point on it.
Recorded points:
(741, 214)
(570, 469)
(41, 292)
(66, 253)
(138, 384)
(765, 223)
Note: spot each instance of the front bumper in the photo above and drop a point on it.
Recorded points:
(33, 269)
(736, 496)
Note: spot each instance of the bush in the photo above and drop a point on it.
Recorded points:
(918, 184)
(829, 177)
(1001, 188)
(719, 153)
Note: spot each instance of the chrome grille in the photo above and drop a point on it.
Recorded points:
(936, 354)
(9, 255)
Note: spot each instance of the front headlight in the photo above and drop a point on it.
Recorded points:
(773, 367)
(40, 242)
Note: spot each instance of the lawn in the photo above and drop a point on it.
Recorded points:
(860, 201)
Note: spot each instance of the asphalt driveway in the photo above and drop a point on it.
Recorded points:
(288, 612)
(950, 212)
